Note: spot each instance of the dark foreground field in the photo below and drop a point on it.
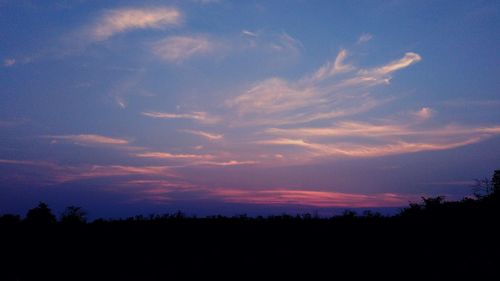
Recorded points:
(433, 240)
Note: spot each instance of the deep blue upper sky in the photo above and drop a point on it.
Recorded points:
(209, 106)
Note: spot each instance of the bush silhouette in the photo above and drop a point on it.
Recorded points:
(74, 215)
(495, 180)
(9, 219)
(41, 215)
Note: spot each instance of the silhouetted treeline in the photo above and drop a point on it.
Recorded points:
(434, 238)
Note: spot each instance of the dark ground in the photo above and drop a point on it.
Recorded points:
(432, 240)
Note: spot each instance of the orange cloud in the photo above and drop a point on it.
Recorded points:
(165, 155)
(226, 163)
(322, 199)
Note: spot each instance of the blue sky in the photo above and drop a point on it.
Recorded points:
(128, 107)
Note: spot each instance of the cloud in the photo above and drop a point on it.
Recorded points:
(286, 42)
(21, 162)
(207, 1)
(331, 69)
(165, 155)
(271, 96)
(226, 163)
(424, 113)
(249, 33)
(359, 139)
(124, 19)
(8, 62)
(368, 130)
(199, 116)
(98, 171)
(320, 150)
(91, 139)
(321, 199)
(342, 129)
(57, 174)
(365, 37)
(408, 59)
(180, 48)
(209, 136)
(318, 96)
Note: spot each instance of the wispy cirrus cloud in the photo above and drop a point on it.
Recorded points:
(249, 33)
(365, 37)
(226, 163)
(273, 95)
(207, 135)
(120, 20)
(358, 139)
(319, 150)
(8, 62)
(332, 68)
(316, 96)
(285, 42)
(180, 48)
(103, 171)
(360, 129)
(322, 199)
(300, 114)
(166, 155)
(90, 139)
(57, 173)
(408, 59)
(199, 116)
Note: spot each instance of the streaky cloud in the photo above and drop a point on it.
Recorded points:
(124, 19)
(315, 97)
(365, 37)
(408, 59)
(180, 48)
(199, 116)
(207, 135)
(165, 155)
(322, 199)
(249, 33)
(330, 69)
(320, 150)
(90, 139)
(226, 163)
(360, 129)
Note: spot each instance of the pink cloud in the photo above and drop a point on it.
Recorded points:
(321, 199)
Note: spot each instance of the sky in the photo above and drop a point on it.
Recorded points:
(259, 107)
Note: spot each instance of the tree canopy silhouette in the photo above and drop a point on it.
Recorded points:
(74, 215)
(41, 214)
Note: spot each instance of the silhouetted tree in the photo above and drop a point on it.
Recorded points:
(9, 219)
(74, 215)
(41, 214)
(495, 181)
(482, 188)
(432, 202)
(486, 187)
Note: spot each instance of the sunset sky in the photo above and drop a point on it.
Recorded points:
(206, 106)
